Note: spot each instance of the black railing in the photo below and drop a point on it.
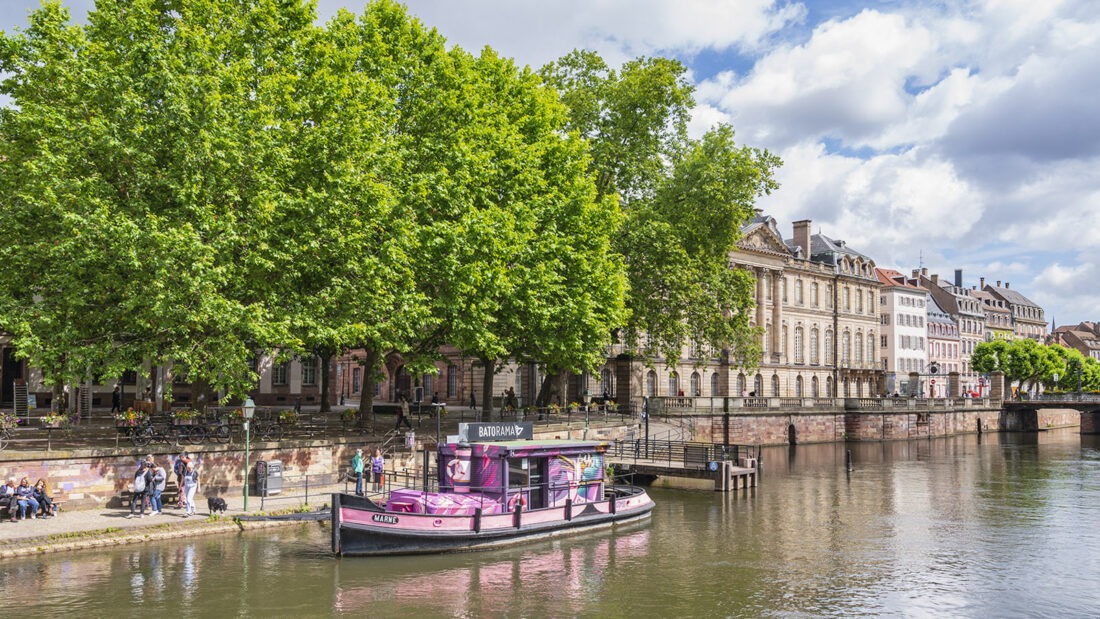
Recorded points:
(683, 454)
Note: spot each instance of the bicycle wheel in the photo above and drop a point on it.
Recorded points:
(141, 437)
(196, 435)
(4, 438)
(220, 434)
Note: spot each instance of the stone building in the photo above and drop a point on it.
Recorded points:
(998, 316)
(943, 343)
(1083, 337)
(1028, 319)
(966, 310)
(903, 310)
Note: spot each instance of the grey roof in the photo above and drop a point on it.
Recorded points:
(937, 314)
(1011, 296)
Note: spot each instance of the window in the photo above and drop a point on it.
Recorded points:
(452, 380)
(714, 384)
(783, 342)
(696, 385)
(758, 386)
(741, 385)
(309, 371)
(828, 347)
(813, 294)
(814, 359)
(884, 342)
(846, 348)
(798, 354)
(356, 380)
(847, 299)
(798, 387)
(651, 384)
(673, 384)
(783, 285)
(871, 347)
(859, 349)
(278, 373)
(829, 295)
(798, 292)
(859, 302)
(775, 385)
(813, 387)
(870, 303)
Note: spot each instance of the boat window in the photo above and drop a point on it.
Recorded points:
(528, 474)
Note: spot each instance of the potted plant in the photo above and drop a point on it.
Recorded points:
(288, 417)
(347, 415)
(55, 420)
(185, 416)
(130, 418)
(8, 421)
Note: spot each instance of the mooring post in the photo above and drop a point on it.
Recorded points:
(849, 459)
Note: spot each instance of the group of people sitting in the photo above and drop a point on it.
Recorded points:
(26, 501)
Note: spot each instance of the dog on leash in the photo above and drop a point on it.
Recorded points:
(216, 504)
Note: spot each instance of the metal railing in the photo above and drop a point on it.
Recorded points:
(684, 454)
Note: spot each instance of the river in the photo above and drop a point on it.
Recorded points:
(1004, 526)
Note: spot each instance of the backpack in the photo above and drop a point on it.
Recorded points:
(180, 467)
(139, 482)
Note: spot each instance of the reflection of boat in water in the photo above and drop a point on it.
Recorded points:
(491, 494)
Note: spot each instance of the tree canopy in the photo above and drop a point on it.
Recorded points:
(683, 199)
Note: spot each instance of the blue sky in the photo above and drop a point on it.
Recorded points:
(957, 135)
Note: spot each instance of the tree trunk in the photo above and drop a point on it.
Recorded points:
(487, 389)
(366, 395)
(326, 359)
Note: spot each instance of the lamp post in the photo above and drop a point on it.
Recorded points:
(248, 408)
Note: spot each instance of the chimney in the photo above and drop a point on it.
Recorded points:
(802, 236)
(981, 281)
(924, 271)
(998, 283)
(959, 278)
(936, 279)
(1007, 286)
(916, 273)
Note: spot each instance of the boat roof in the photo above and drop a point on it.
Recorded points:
(529, 445)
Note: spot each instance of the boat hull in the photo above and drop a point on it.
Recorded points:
(362, 528)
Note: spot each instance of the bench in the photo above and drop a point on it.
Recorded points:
(7, 511)
(170, 496)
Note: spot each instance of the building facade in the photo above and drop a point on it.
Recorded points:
(903, 312)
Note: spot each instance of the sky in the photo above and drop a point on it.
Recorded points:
(944, 134)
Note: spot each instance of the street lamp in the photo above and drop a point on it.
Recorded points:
(249, 409)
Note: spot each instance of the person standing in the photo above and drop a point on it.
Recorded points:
(7, 497)
(190, 487)
(142, 478)
(403, 415)
(473, 400)
(116, 400)
(377, 466)
(179, 467)
(357, 466)
(160, 480)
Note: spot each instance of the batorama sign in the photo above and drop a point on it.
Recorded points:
(476, 432)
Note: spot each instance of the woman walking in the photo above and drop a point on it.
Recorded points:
(190, 487)
(377, 465)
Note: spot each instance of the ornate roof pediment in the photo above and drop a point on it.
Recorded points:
(764, 239)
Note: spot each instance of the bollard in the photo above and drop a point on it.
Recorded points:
(849, 459)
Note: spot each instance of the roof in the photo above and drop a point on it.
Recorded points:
(891, 277)
(1011, 296)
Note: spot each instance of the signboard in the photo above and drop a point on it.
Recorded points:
(504, 431)
(933, 381)
(32, 401)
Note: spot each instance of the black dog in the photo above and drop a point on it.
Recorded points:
(216, 504)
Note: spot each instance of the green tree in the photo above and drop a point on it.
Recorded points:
(683, 200)
(138, 162)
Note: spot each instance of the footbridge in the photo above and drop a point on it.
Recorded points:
(1038, 413)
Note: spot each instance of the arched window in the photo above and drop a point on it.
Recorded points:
(829, 392)
(673, 384)
(742, 387)
(829, 347)
(775, 385)
(846, 349)
(814, 358)
(758, 386)
(859, 349)
(814, 388)
(651, 384)
(714, 384)
(847, 388)
(605, 378)
(798, 387)
(871, 348)
(799, 356)
(696, 385)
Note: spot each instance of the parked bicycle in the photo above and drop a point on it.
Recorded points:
(167, 434)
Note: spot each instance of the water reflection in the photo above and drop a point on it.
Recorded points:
(517, 581)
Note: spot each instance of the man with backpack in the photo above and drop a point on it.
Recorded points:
(143, 480)
(357, 466)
